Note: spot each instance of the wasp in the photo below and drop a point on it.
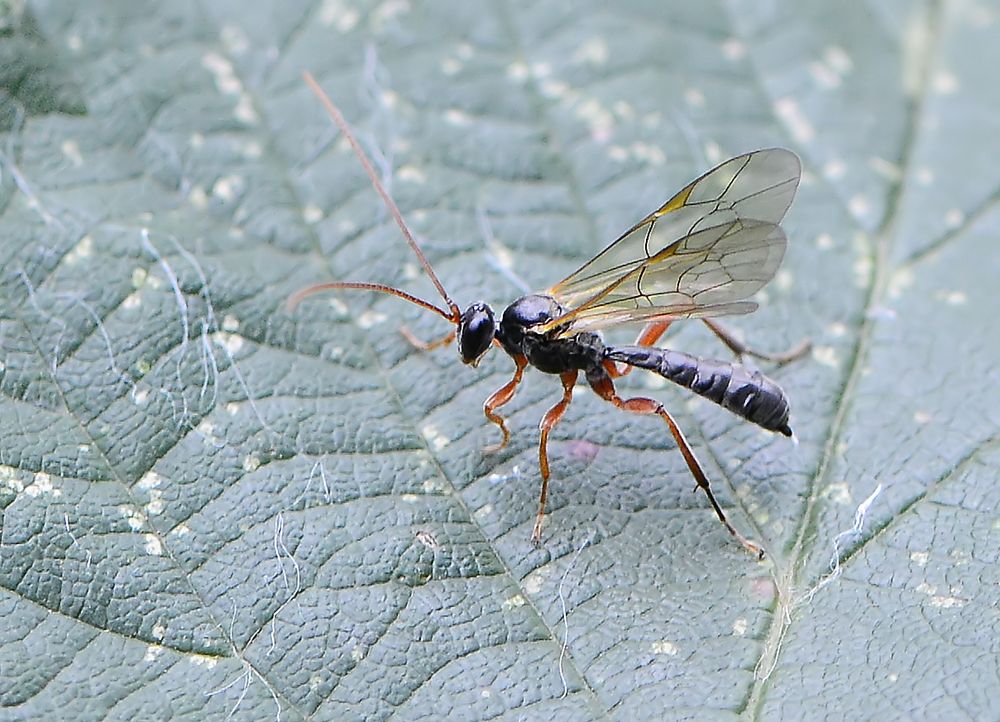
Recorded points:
(701, 255)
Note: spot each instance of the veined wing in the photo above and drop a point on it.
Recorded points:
(714, 243)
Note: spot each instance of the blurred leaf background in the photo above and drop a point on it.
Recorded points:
(213, 508)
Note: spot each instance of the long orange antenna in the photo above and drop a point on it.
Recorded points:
(296, 298)
(337, 118)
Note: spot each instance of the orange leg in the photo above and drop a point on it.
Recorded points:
(649, 335)
(500, 397)
(740, 349)
(426, 345)
(606, 390)
(550, 419)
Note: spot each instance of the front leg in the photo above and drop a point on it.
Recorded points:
(426, 345)
(500, 397)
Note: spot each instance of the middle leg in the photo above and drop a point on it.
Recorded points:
(741, 349)
(550, 419)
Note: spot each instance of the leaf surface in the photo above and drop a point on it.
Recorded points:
(213, 507)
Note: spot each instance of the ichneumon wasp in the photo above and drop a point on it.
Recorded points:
(702, 254)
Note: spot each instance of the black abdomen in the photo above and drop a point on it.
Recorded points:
(746, 393)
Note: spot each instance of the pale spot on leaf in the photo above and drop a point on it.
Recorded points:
(227, 188)
(517, 71)
(826, 355)
(713, 152)
(838, 59)
(789, 111)
(230, 341)
(834, 169)
(514, 601)
(312, 214)
(456, 116)
(733, 49)
(885, 168)
(694, 97)
(411, 174)
(593, 51)
(235, 39)
(71, 149)
(369, 319)
(434, 437)
(197, 197)
(859, 206)
(552, 88)
(244, 110)
(663, 647)
(824, 76)
(150, 480)
(945, 82)
(899, 282)
(153, 546)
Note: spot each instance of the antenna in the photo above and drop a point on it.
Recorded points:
(338, 119)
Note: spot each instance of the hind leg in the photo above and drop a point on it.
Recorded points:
(605, 388)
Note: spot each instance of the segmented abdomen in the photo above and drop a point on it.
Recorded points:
(746, 393)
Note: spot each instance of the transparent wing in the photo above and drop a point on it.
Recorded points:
(713, 244)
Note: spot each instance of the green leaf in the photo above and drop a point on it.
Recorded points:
(214, 507)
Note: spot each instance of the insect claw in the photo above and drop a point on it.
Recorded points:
(536, 532)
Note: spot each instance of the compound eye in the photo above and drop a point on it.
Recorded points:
(475, 332)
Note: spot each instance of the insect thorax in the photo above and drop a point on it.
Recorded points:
(549, 355)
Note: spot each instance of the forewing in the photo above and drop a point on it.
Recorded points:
(713, 269)
(617, 316)
(697, 248)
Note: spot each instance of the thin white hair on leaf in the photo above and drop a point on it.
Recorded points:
(282, 553)
(60, 323)
(209, 324)
(788, 602)
(247, 676)
(241, 380)
(101, 329)
(76, 542)
(210, 366)
(495, 252)
(317, 467)
(564, 647)
(183, 317)
(373, 88)
(22, 184)
(209, 331)
(853, 533)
